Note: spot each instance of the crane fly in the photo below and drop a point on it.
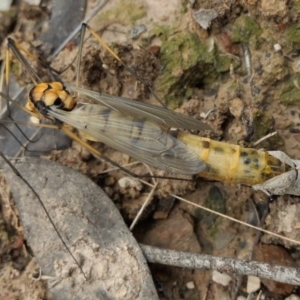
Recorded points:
(132, 128)
(128, 126)
(136, 129)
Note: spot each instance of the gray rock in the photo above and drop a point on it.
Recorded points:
(90, 225)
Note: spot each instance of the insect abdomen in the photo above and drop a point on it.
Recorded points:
(232, 163)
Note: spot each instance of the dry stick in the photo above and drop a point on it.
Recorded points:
(146, 202)
(265, 138)
(221, 264)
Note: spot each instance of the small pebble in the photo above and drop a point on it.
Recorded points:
(277, 47)
(135, 32)
(256, 64)
(236, 107)
(190, 285)
(253, 284)
(109, 180)
(221, 278)
(204, 17)
(126, 182)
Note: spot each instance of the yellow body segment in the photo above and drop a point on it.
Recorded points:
(232, 163)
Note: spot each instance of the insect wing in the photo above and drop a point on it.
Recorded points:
(157, 114)
(137, 137)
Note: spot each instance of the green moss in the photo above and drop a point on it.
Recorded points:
(290, 94)
(293, 35)
(184, 7)
(189, 92)
(224, 62)
(296, 6)
(245, 30)
(216, 201)
(260, 100)
(163, 32)
(127, 13)
(187, 63)
(236, 88)
(263, 124)
(214, 229)
(290, 97)
(15, 68)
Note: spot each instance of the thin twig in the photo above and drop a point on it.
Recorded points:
(146, 202)
(221, 264)
(265, 138)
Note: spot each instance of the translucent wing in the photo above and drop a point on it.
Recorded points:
(137, 137)
(157, 114)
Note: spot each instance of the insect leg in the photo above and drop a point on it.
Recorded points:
(104, 45)
(17, 173)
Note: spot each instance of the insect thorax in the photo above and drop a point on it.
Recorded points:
(45, 95)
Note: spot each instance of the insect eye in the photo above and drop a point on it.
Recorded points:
(58, 103)
(41, 107)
